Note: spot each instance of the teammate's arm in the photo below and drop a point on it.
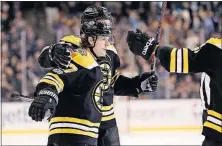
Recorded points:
(58, 55)
(183, 60)
(201, 59)
(54, 82)
(46, 94)
(145, 82)
(125, 86)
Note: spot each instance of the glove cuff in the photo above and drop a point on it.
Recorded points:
(137, 84)
(150, 48)
(50, 94)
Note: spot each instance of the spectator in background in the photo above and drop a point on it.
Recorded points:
(184, 21)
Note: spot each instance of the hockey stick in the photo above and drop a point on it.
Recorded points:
(158, 34)
(29, 99)
(22, 97)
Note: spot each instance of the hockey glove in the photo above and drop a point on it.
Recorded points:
(141, 43)
(45, 100)
(146, 82)
(60, 54)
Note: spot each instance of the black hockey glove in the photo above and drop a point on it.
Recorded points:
(146, 82)
(44, 101)
(141, 43)
(60, 54)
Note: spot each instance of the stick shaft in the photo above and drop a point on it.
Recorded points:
(158, 34)
(22, 97)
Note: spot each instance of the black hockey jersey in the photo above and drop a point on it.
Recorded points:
(79, 111)
(208, 59)
(114, 84)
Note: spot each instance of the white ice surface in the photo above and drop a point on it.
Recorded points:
(151, 138)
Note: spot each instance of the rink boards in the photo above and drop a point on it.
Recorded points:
(161, 117)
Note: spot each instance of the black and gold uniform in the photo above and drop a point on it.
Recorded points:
(208, 59)
(79, 110)
(113, 82)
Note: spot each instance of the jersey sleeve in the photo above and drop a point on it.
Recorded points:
(124, 86)
(55, 80)
(201, 59)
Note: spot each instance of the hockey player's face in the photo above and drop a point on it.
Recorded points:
(100, 46)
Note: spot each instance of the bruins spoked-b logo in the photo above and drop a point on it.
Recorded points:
(102, 86)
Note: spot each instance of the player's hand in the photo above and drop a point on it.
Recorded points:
(60, 54)
(45, 100)
(148, 82)
(140, 43)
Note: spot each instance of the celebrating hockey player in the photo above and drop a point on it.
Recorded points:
(206, 58)
(60, 55)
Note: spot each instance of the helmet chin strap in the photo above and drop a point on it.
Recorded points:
(92, 51)
(91, 48)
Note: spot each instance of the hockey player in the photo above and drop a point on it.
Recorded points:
(73, 95)
(206, 58)
(57, 55)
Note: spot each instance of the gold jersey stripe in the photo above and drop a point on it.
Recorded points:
(215, 114)
(57, 78)
(107, 108)
(173, 60)
(74, 120)
(72, 39)
(73, 68)
(72, 131)
(114, 78)
(112, 48)
(213, 126)
(51, 83)
(107, 118)
(97, 94)
(86, 61)
(215, 42)
(185, 61)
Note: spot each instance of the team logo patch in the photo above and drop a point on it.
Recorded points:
(81, 51)
(102, 86)
(58, 71)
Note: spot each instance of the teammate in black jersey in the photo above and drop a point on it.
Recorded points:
(206, 58)
(58, 55)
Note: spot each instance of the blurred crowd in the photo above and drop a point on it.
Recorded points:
(186, 24)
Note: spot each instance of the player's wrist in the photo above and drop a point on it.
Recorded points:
(49, 95)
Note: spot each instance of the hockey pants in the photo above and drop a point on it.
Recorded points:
(209, 142)
(109, 137)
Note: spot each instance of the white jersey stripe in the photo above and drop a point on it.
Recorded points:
(105, 113)
(179, 61)
(214, 120)
(72, 125)
(201, 90)
(207, 88)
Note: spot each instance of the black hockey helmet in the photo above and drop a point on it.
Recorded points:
(95, 28)
(96, 21)
(96, 13)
